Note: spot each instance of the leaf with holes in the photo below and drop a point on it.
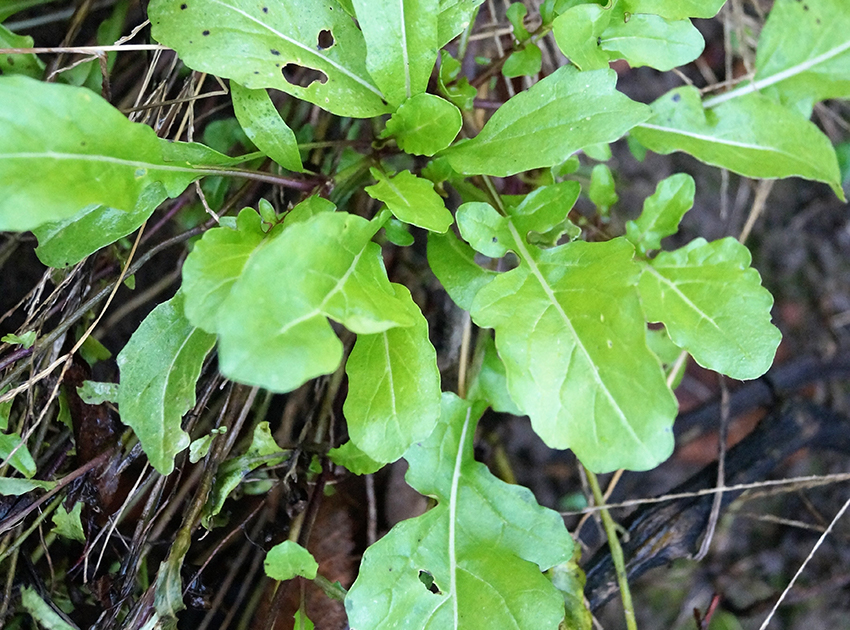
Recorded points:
(401, 44)
(263, 125)
(752, 135)
(547, 123)
(313, 51)
(474, 560)
(84, 150)
(393, 387)
(159, 368)
(411, 199)
(662, 212)
(280, 339)
(713, 305)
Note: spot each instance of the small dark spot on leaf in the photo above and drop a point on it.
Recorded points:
(677, 98)
(274, 52)
(10, 61)
(817, 20)
(265, 9)
(495, 240)
(598, 41)
(302, 76)
(83, 143)
(805, 7)
(184, 6)
(205, 33)
(384, 102)
(326, 39)
(256, 72)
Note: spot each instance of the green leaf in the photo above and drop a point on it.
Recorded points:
(424, 124)
(490, 381)
(569, 579)
(453, 262)
(68, 524)
(398, 233)
(302, 622)
(713, 305)
(94, 393)
(516, 14)
(17, 487)
(42, 612)
(662, 212)
(25, 340)
(483, 546)
(484, 228)
(577, 32)
(453, 86)
(526, 61)
(66, 242)
(752, 135)
(263, 450)
(215, 264)
(280, 339)
(803, 54)
(570, 330)
(547, 123)
(411, 199)
(263, 125)
(288, 559)
(401, 44)
(393, 387)
(27, 64)
(10, 7)
(83, 150)
(650, 40)
(259, 44)
(199, 448)
(602, 189)
(674, 9)
(353, 459)
(455, 16)
(159, 368)
(21, 461)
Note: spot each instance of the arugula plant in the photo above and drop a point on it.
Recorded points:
(562, 314)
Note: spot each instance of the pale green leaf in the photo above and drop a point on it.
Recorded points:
(547, 123)
(21, 461)
(411, 199)
(68, 524)
(42, 612)
(803, 54)
(393, 387)
(263, 125)
(288, 559)
(424, 124)
(483, 546)
(355, 460)
(65, 148)
(662, 212)
(650, 40)
(674, 9)
(261, 44)
(602, 189)
(455, 16)
(279, 339)
(516, 13)
(569, 579)
(484, 228)
(215, 264)
(199, 448)
(27, 64)
(453, 262)
(159, 368)
(67, 241)
(713, 305)
(401, 44)
(577, 31)
(526, 61)
(752, 135)
(545, 208)
(94, 393)
(16, 487)
(489, 379)
(25, 341)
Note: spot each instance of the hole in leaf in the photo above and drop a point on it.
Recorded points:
(326, 39)
(428, 580)
(301, 76)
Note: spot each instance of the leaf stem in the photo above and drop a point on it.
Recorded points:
(616, 551)
(334, 590)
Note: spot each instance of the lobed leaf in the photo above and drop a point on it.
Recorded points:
(424, 124)
(713, 305)
(752, 135)
(159, 368)
(411, 199)
(547, 123)
(662, 212)
(401, 44)
(265, 45)
(482, 547)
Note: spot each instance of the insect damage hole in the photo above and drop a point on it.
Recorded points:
(301, 76)
(325, 40)
(428, 581)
